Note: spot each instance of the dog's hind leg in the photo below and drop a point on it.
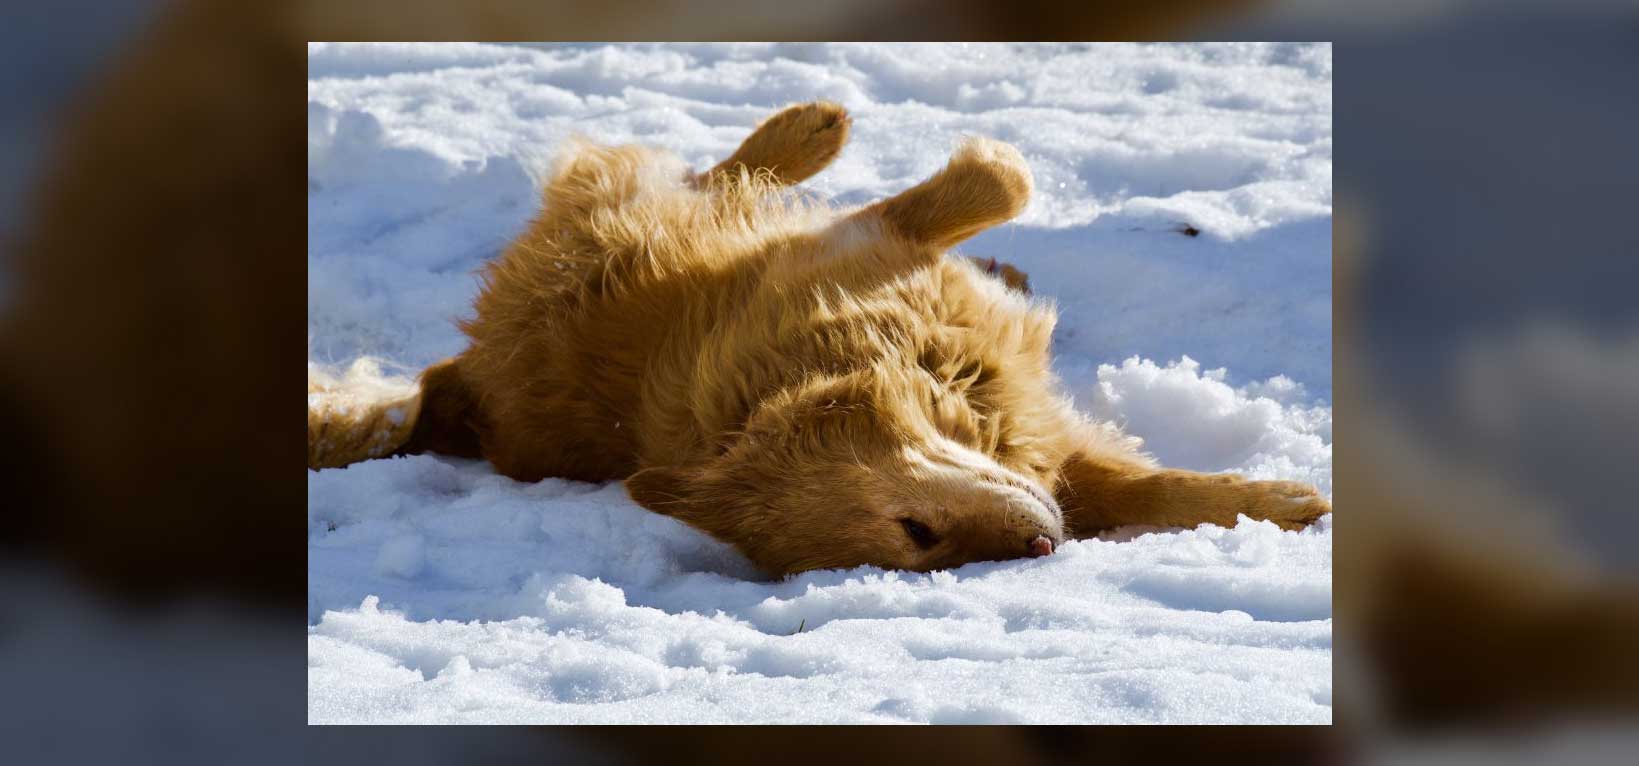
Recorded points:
(790, 146)
(445, 422)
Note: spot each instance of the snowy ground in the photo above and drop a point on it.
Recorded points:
(440, 592)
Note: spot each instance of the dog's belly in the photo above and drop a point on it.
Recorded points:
(606, 382)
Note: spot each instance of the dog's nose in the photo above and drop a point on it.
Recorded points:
(1041, 546)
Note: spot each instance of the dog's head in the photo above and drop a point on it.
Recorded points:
(854, 470)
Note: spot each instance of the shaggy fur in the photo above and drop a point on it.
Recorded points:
(819, 388)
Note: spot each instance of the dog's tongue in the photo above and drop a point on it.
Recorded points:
(1041, 546)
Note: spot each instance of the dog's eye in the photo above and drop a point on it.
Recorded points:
(919, 532)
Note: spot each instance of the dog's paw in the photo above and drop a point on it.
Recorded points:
(1289, 504)
(994, 171)
(1007, 272)
(985, 183)
(797, 142)
(817, 125)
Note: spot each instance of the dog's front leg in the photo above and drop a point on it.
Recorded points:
(985, 183)
(1099, 492)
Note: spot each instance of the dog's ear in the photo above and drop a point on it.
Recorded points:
(664, 490)
(985, 183)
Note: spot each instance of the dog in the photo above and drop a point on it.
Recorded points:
(820, 388)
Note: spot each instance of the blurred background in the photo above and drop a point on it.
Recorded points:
(1487, 359)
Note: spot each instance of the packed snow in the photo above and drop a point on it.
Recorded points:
(440, 592)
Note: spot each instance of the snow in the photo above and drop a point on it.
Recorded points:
(441, 592)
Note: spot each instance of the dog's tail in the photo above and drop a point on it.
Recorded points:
(359, 415)
(364, 414)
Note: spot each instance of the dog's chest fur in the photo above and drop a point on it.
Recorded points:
(655, 327)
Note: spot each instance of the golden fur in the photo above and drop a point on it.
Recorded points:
(819, 388)
(122, 489)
